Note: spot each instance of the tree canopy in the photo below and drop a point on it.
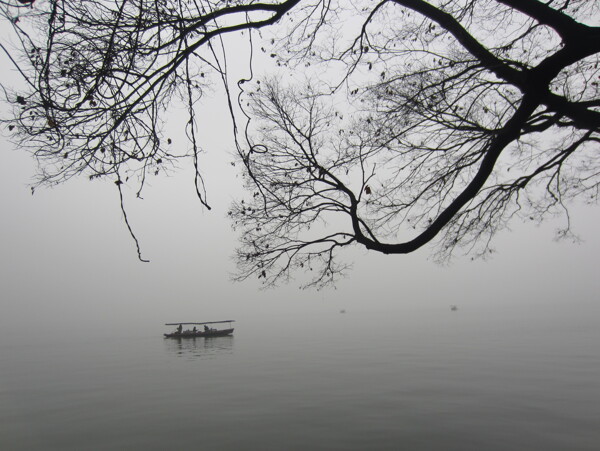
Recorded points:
(388, 125)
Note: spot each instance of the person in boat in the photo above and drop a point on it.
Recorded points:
(206, 328)
(179, 329)
(194, 329)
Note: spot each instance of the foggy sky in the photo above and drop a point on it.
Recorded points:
(68, 262)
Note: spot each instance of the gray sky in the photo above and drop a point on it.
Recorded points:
(67, 259)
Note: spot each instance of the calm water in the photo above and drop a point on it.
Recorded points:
(413, 380)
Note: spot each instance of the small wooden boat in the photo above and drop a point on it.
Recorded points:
(198, 333)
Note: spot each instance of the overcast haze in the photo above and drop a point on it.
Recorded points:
(69, 262)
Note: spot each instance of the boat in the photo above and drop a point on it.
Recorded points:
(206, 332)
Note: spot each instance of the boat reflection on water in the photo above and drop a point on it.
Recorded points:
(210, 347)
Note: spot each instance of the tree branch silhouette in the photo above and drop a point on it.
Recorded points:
(391, 125)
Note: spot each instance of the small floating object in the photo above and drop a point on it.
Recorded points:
(342, 311)
(195, 333)
(454, 308)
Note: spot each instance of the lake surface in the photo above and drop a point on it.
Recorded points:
(390, 380)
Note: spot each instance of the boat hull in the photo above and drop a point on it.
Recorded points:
(205, 334)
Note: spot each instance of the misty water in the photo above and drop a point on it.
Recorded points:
(372, 380)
